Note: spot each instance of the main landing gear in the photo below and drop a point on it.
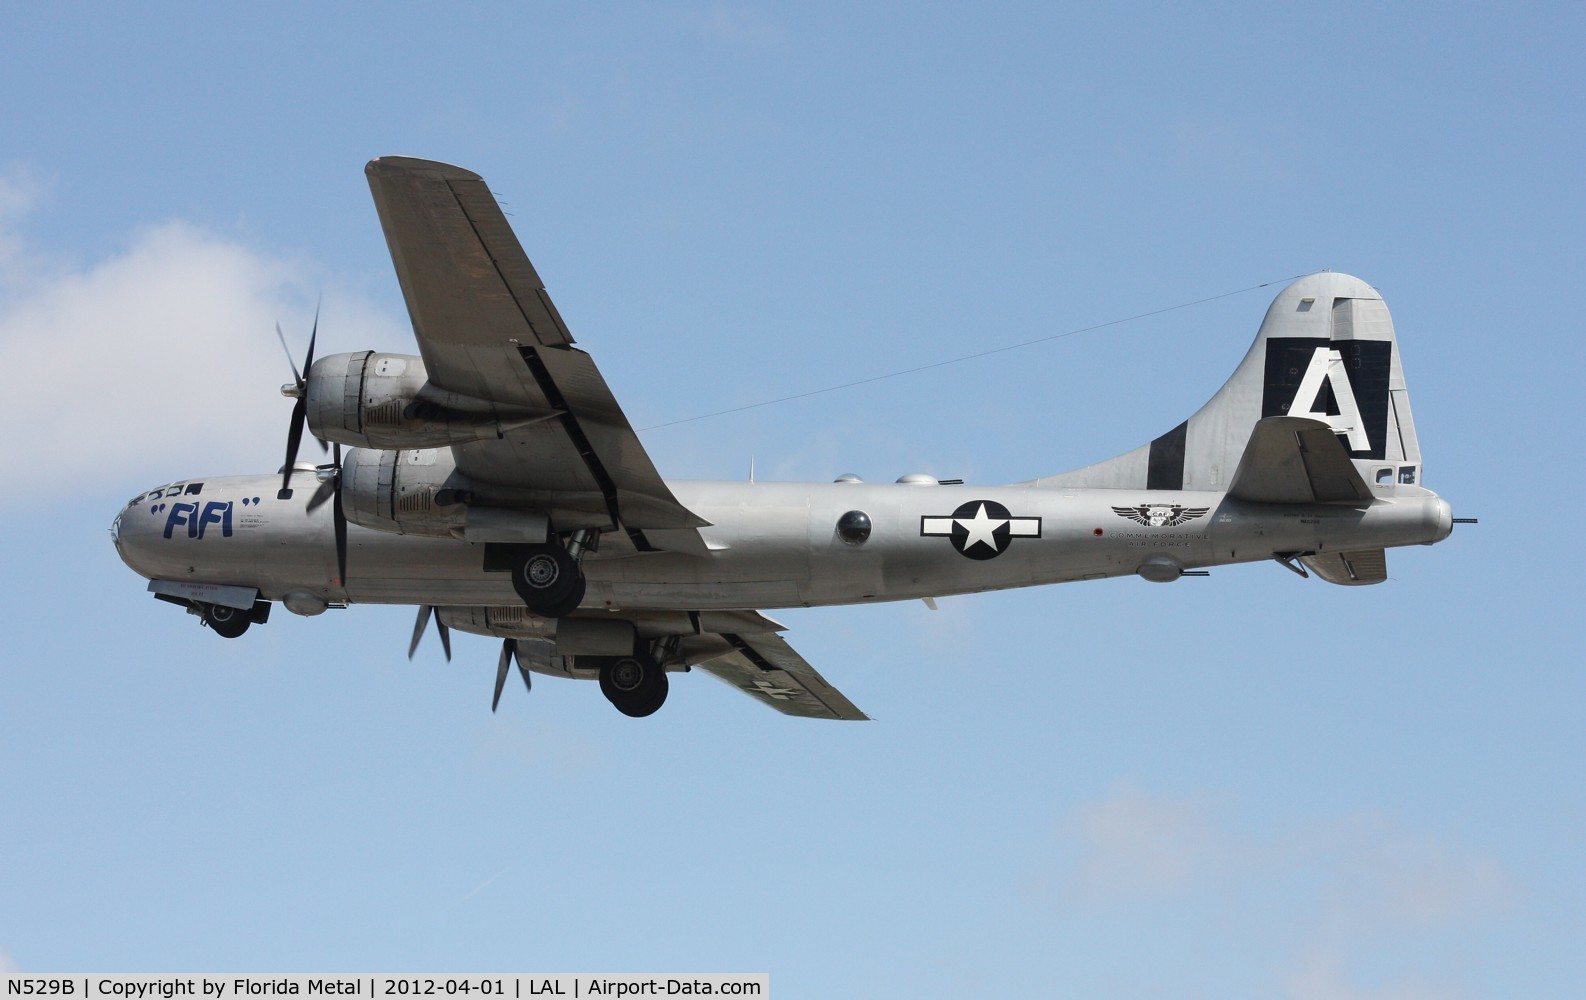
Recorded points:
(635, 684)
(548, 577)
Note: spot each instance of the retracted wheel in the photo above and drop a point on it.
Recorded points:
(548, 580)
(226, 622)
(636, 684)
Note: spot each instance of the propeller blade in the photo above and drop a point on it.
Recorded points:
(341, 540)
(294, 437)
(320, 496)
(294, 431)
(418, 629)
(528, 684)
(308, 362)
(339, 519)
(297, 376)
(328, 486)
(501, 671)
(425, 610)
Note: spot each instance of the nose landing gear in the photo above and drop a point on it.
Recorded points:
(226, 622)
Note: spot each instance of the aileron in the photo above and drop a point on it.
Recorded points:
(767, 669)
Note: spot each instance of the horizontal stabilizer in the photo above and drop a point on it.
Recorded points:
(1349, 569)
(1296, 460)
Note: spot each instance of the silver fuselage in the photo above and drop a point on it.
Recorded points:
(770, 545)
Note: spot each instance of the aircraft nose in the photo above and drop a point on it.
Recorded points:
(129, 531)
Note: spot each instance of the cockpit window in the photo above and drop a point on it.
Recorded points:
(194, 489)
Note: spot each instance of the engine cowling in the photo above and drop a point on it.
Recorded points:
(418, 491)
(397, 491)
(373, 400)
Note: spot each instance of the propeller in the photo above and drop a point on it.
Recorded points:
(298, 390)
(508, 648)
(330, 489)
(418, 632)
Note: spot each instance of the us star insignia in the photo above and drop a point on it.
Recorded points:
(981, 529)
(1160, 515)
(770, 690)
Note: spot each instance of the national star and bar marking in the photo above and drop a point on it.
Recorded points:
(770, 690)
(981, 529)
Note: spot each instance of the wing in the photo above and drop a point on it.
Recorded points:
(490, 335)
(764, 666)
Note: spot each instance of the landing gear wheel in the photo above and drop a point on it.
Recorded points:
(548, 580)
(636, 684)
(226, 622)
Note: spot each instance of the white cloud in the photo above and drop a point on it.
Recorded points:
(1328, 896)
(20, 192)
(738, 27)
(160, 361)
(1321, 977)
(1134, 843)
(1385, 876)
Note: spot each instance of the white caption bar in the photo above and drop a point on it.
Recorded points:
(385, 985)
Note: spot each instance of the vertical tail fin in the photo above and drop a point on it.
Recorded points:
(1325, 352)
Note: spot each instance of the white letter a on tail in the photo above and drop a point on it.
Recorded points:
(1328, 365)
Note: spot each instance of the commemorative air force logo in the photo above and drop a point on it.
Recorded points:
(1160, 515)
(981, 529)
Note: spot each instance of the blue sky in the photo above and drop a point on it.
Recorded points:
(1245, 786)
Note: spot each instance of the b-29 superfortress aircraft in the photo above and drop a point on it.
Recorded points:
(494, 481)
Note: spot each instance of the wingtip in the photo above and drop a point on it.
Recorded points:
(387, 166)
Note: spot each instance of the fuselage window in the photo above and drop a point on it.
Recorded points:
(854, 527)
(1384, 477)
(1407, 475)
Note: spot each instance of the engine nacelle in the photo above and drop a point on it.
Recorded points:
(396, 491)
(371, 400)
(419, 491)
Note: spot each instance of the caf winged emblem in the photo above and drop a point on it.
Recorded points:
(1160, 515)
